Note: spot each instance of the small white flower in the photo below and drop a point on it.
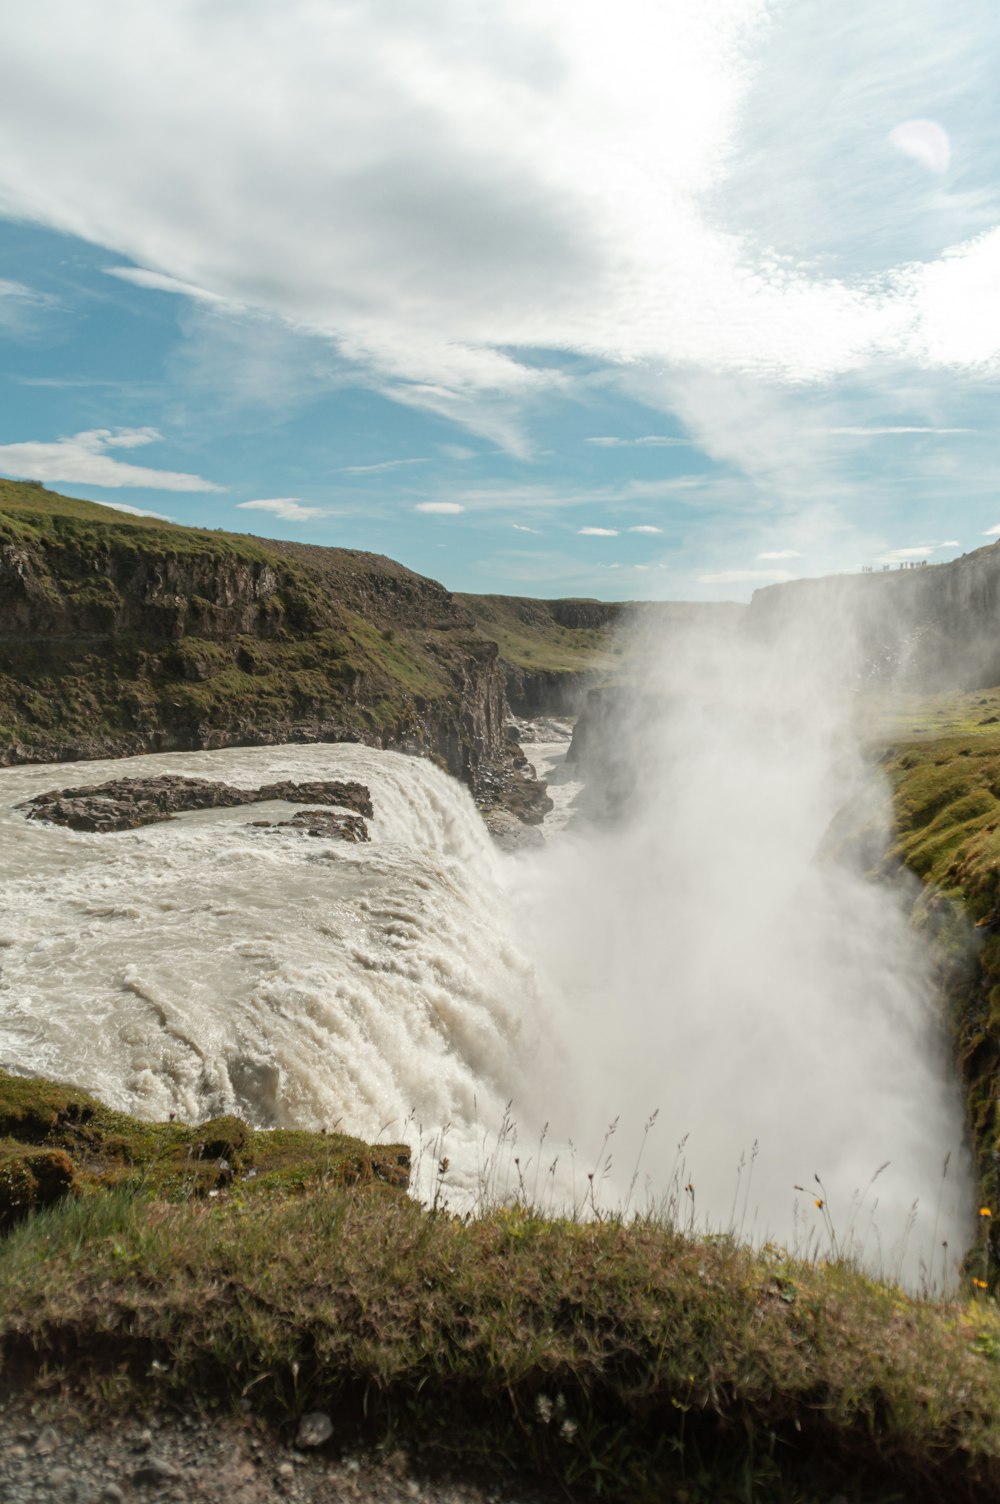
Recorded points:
(543, 1408)
(567, 1430)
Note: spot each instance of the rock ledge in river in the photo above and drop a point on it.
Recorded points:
(127, 803)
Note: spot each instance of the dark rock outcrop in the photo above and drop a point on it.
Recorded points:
(128, 803)
(326, 823)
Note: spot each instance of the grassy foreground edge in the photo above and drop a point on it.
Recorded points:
(614, 1357)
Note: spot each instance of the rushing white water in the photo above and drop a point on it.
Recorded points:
(694, 958)
(204, 965)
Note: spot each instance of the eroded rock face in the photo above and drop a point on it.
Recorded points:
(128, 803)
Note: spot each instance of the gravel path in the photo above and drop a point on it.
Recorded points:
(60, 1459)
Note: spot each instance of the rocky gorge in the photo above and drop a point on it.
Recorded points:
(118, 638)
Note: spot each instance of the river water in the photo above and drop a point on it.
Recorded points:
(414, 987)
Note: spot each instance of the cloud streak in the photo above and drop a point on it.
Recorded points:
(288, 508)
(84, 458)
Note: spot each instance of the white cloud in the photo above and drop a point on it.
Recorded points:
(650, 441)
(440, 508)
(743, 576)
(18, 292)
(83, 458)
(380, 467)
(991, 532)
(288, 508)
(862, 431)
(925, 141)
(160, 282)
(21, 308)
(917, 551)
(781, 553)
(645, 527)
(121, 506)
(434, 239)
(519, 527)
(598, 532)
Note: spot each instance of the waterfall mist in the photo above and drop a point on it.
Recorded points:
(718, 961)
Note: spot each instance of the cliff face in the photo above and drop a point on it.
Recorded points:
(932, 627)
(119, 636)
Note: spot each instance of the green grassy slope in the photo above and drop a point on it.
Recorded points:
(946, 831)
(614, 1357)
(549, 636)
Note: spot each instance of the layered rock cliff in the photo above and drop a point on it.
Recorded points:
(120, 635)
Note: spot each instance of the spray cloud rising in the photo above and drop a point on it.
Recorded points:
(720, 959)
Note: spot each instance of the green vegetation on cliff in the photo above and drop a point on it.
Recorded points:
(57, 1140)
(946, 831)
(121, 634)
(550, 637)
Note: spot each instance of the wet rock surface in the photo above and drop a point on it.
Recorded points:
(191, 1458)
(326, 823)
(510, 787)
(128, 803)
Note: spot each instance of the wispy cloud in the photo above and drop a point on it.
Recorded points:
(648, 441)
(743, 576)
(598, 532)
(121, 506)
(383, 465)
(925, 141)
(916, 551)
(440, 508)
(288, 508)
(160, 282)
(22, 308)
(780, 553)
(83, 457)
(863, 431)
(519, 527)
(19, 292)
(645, 527)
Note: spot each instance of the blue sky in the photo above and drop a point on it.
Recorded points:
(663, 300)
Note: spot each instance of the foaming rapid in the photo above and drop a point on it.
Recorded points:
(206, 965)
